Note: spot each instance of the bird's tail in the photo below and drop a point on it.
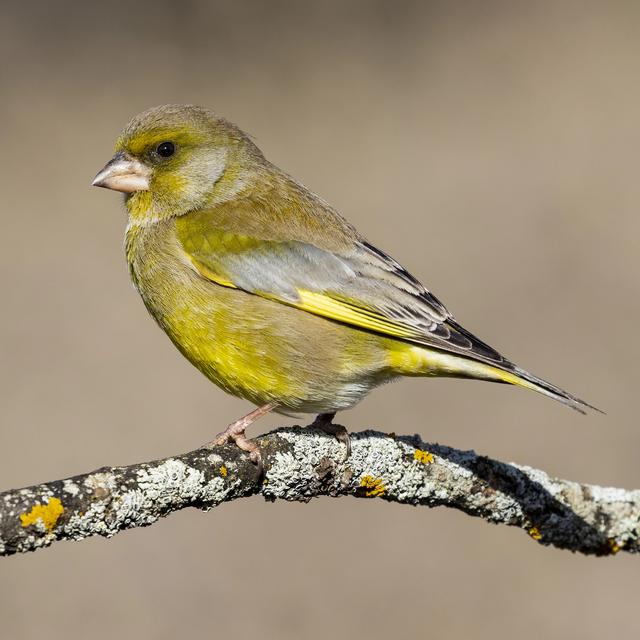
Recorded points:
(521, 378)
(434, 362)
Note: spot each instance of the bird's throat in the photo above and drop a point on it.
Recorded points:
(139, 205)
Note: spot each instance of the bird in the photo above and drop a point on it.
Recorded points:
(266, 289)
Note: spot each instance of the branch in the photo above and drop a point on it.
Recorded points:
(303, 463)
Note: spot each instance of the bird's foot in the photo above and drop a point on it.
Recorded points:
(236, 431)
(324, 421)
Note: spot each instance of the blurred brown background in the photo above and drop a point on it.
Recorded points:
(491, 147)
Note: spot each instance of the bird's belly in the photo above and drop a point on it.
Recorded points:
(264, 351)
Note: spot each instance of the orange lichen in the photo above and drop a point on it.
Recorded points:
(614, 547)
(534, 532)
(373, 487)
(423, 456)
(48, 514)
(223, 471)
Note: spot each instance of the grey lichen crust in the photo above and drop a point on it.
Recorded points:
(300, 464)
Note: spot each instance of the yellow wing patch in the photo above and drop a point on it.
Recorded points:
(327, 306)
(323, 304)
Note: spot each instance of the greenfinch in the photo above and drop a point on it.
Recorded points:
(266, 289)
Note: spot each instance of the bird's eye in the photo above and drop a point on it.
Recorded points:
(166, 149)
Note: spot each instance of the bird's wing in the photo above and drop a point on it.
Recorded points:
(360, 286)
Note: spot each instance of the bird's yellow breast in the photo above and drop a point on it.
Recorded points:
(201, 320)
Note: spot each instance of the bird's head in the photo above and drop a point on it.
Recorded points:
(176, 158)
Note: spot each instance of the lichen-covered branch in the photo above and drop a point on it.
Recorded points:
(300, 464)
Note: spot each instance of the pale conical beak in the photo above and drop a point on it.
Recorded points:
(123, 173)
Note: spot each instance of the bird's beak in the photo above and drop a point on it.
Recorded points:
(123, 173)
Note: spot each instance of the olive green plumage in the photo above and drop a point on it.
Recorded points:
(264, 287)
